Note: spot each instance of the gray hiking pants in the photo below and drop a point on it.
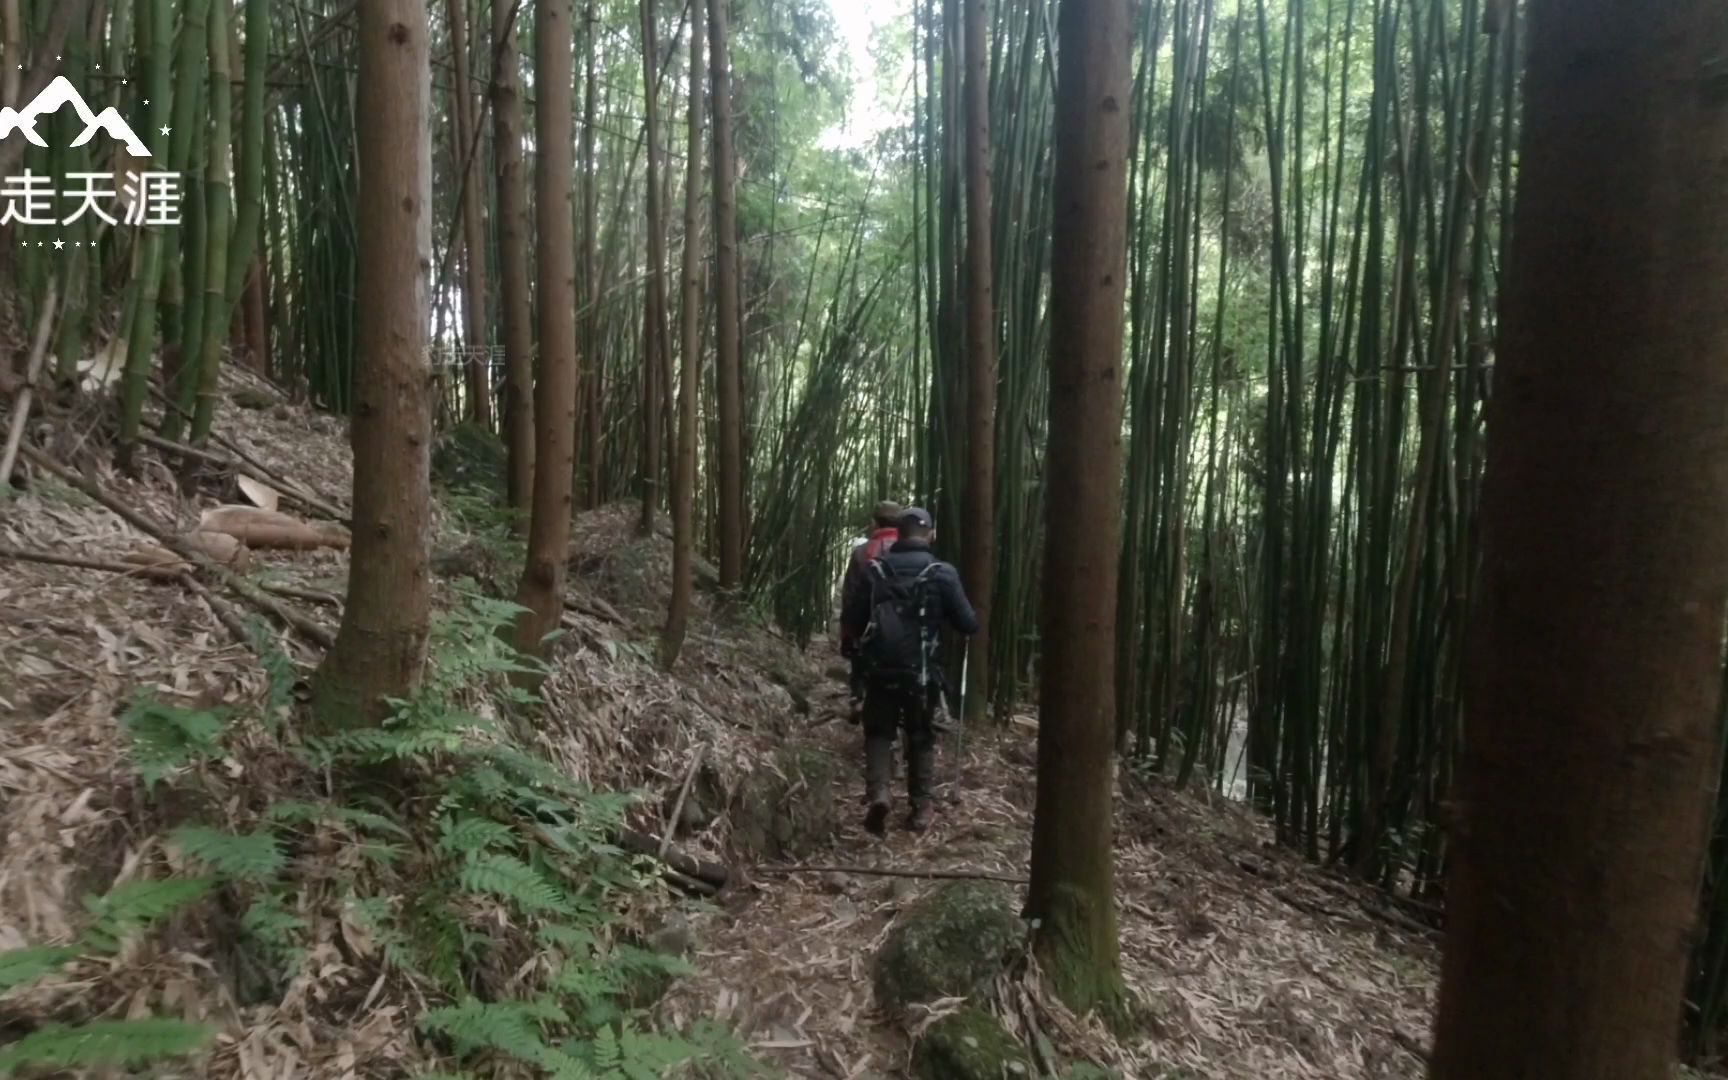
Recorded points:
(886, 712)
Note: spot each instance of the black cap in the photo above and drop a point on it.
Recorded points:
(915, 518)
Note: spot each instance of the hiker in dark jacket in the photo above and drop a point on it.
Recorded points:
(903, 675)
(885, 531)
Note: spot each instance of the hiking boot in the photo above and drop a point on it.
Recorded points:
(876, 818)
(922, 816)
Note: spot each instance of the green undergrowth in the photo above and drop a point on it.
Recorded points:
(476, 872)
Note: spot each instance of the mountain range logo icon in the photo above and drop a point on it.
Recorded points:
(59, 93)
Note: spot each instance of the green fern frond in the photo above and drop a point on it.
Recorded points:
(244, 856)
(507, 1027)
(107, 1042)
(136, 905)
(165, 738)
(20, 966)
(293, 811)
(511, 878)
(573, 939)
(269, 920)
(606, 1052)
(471, 835)
(280, 673)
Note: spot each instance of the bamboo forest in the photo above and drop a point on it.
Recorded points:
(954, 539)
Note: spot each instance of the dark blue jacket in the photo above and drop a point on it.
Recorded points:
(947, 603)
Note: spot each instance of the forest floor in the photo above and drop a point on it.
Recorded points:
(1251, 963)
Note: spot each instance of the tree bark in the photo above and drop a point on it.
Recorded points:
(477, 368)
(1595, 663)
(654, 311)
(1072, 891)
(978, 535)
(513, 285)
(728, 369)
(542, 588)
(592, 454)
(380, 650)
(689, 376)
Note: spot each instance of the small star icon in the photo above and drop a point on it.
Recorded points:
(146, 101)
(58, 244)
(38, 243)
(165, 128)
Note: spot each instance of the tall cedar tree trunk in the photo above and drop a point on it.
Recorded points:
(513, 258)
(381, 648)
(478, 367)
(979, 533)
(653, 312)
(1072, 891)
(689, 375)
(542, 587)
(591, 275)
(728, 370)
(1596, 652)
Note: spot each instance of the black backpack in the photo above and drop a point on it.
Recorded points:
(894, 645)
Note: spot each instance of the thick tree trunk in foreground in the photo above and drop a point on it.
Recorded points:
(728, 368)
(654, 312)
(1072, 892)
(1596, 651)
(689, 376)
(477, 368)
(381, 648)
(513, 259)
(979, 532)
(542, 588)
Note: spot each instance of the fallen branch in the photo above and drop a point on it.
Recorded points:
(158, 572)
(33, 371)
(262, 472)
(289, 491)
(713, 873)
(222, 609)
(678, 805)
(311, 596)
(247, 591)
(878, 871)
(595, 607)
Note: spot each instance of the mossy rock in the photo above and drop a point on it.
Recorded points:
(788, 810)
(469, 456)
(252, 397)
(969, 1045)
(952, 943)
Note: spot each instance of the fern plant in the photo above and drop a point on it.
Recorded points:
(251, 857)
(123, 1043)
(165, 738)
(124, 910)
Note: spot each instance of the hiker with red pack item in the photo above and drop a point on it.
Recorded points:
(885, 530)
(912, 595)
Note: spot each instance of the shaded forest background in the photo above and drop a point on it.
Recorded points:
(1319, 214)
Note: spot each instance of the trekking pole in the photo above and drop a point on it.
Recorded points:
(959, 744)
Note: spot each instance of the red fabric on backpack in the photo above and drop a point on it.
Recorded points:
(862, 556)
